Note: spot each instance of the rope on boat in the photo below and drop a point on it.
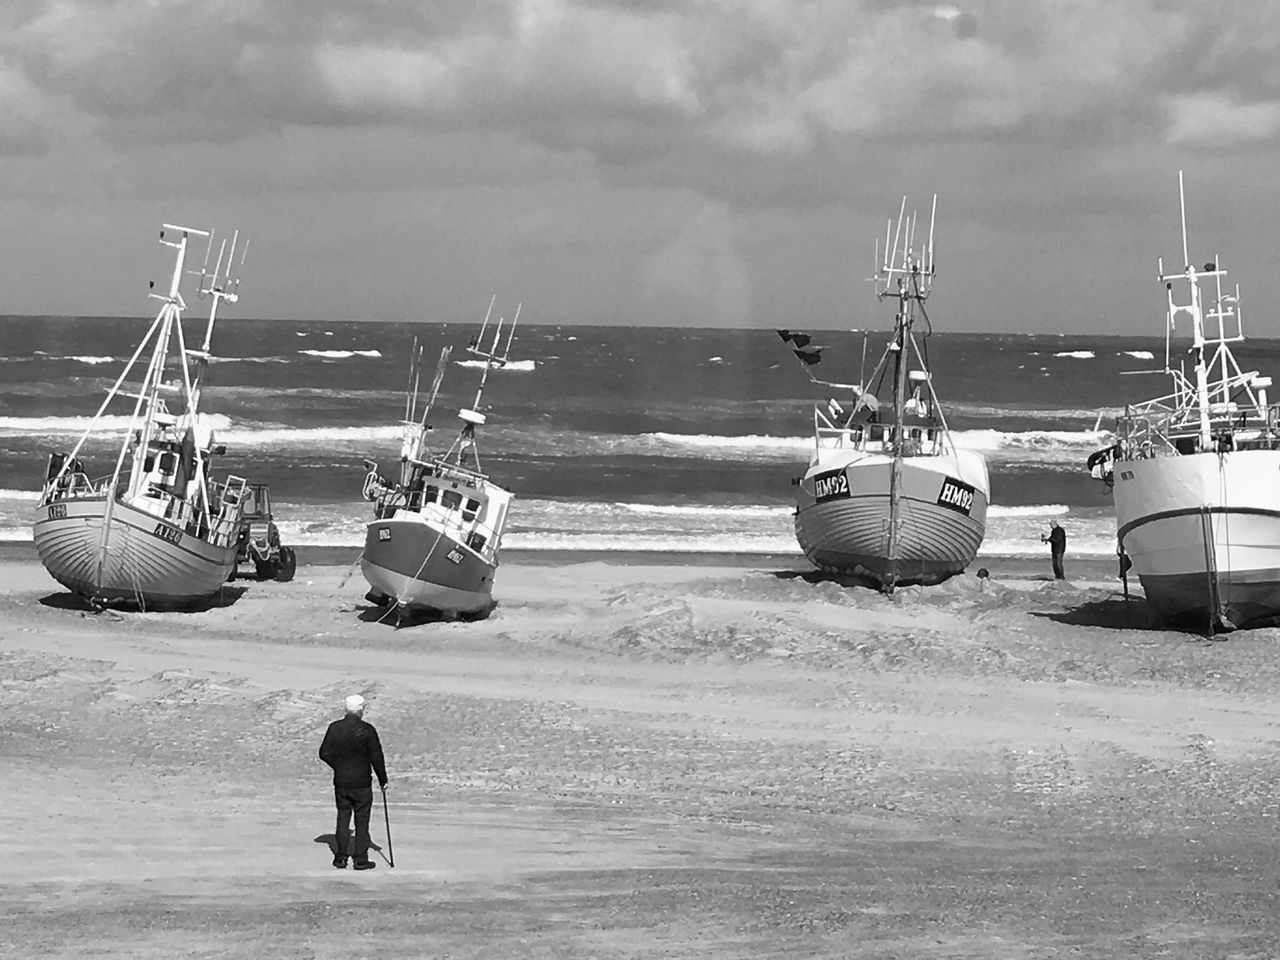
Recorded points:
(352, 569)
(422, 566)
(1210, 568)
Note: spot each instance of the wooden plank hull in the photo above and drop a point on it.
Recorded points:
(843, 517)
(135, 557)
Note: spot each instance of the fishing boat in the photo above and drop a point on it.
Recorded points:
(432, 547)
(155, 531)
(887, 498)
(1194, 472)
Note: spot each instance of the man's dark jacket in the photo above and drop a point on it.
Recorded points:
(351, 747)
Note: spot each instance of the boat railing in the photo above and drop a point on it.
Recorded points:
(1157, 433)
(917, 439)
(450, 470)
(459, 513)
(482, 535)
(455, 510)
(163, 503)
(75, 485)
(229, 504)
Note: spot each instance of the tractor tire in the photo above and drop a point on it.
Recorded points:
(286, 565)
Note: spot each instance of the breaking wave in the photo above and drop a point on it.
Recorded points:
(340, 354)
(307, 436)
(1049, 446)
(40, 355)
(520, 366)
(110, 424)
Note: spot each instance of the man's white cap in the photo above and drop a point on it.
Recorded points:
(355, 703)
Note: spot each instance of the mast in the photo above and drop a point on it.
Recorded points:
(1197, 321)
(146, 401)
(493, 355)
(1195, 310)
(223, 284)
(905, 277)
(901, 323)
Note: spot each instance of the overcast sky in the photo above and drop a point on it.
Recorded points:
(689, 162)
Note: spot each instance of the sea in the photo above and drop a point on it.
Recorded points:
(613, 439)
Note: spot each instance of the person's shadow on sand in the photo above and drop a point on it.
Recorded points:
(331, 841)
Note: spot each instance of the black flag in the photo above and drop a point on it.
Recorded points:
(799, 339)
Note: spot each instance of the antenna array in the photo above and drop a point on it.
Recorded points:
(497, 353)
(900, 259)
(223, 282)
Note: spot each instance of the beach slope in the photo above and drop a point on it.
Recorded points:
(644, 759)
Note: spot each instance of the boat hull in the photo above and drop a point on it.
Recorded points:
(1203, 534)
(843, 517)
(421, 566)
(134, 556)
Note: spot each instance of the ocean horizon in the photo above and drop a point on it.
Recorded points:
(612, 438)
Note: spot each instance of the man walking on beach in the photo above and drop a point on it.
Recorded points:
(1057, 540)
(351, 747)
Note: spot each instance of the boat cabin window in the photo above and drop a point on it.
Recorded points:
(472, 507)
(877, 433)
(476, 541)
(451, 499)
(857, 434)
(430, 493)
(1185, 444)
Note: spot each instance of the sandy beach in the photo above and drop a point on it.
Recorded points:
(656, 757)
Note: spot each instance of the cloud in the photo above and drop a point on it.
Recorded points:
(698, 277)
(965, 24)
(631, 82)
(21, 110)
(1217, 122)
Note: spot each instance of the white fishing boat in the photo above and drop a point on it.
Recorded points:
(888, 498)
(432, 547)
(1195, 472)
(155, 531)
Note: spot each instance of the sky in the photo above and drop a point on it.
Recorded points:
(678, 162)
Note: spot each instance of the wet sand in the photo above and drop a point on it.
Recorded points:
(671, 756)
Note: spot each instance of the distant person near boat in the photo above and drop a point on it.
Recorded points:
(1057, 540)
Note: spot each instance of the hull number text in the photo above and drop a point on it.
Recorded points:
(830, 486)
(166, 532)
(57, 511)
(454, 556)
(956, 495)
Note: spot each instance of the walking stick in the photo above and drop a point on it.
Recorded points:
(391, 855)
